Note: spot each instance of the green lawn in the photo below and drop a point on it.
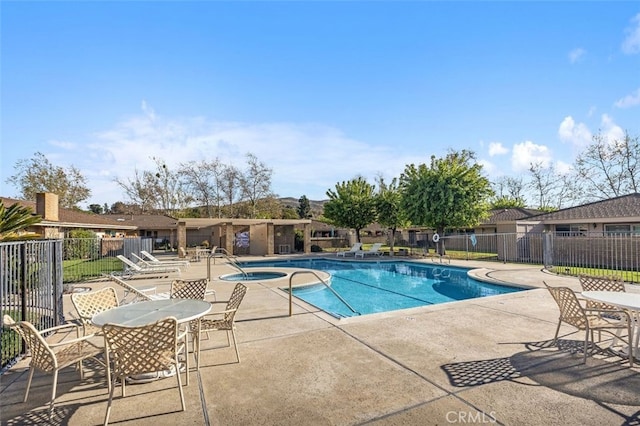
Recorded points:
(80, 269)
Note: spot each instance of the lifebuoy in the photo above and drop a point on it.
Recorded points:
(435, 238)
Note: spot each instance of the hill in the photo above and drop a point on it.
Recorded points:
(317, 207)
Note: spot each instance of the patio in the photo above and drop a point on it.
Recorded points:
(479, 361)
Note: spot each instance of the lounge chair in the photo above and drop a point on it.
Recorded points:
(133, 268)
(353, 250)
(138, 294)
(147, 264)
(373, 251)
(157, 262)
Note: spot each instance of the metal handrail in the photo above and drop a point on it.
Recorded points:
(323, 282)
(231, 261)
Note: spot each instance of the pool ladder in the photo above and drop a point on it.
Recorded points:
(223, 254)
(323, 282)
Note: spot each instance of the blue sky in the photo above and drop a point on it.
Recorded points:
(319, 91)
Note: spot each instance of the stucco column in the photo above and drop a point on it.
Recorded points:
(307, 238)
(270, 239)
(228, 242)
(182, 238)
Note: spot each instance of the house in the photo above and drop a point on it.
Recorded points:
(58, 222)
(162, 228)
(619, 215)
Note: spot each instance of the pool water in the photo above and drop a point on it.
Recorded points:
(372, 287)
(253, 276)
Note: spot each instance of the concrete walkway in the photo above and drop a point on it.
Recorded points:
(486, 360)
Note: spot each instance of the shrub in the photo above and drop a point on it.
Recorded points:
(316, 248)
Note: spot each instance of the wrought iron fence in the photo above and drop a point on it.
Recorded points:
(35, 274)
(571, 254)
(30, 288)
(86, 258)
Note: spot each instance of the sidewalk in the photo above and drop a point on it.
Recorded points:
(487, 360)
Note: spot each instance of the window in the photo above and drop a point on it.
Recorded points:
(572, 230)
(622, 229)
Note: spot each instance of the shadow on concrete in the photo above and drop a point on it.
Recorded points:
(558, 367)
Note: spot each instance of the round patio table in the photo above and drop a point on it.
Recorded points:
(142, 313)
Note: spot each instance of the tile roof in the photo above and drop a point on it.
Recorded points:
(509, 215)
(625, 206)
(70, 216)
(143, 221)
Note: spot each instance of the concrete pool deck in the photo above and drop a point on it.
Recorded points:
(486, 360)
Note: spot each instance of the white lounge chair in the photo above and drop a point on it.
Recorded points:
(154, 260)
(133, 268)
(353, 250)
(373, 251)
(147, 264)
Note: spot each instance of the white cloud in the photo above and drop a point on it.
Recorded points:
(576, 55)
(610, 130)
(307, 159)
(62, 144)
(630, 100)
(631, 43)
(496, 148)
(578, 134)
(526, 153)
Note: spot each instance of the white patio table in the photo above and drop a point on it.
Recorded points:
(630, 302)
(141, 313)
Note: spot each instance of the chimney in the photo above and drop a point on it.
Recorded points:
(47, 206)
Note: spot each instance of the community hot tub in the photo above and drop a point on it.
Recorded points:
(254, 276)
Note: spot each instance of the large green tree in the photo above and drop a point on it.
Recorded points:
(38, 174)
(389, 209)
(351, 205)
(304, 208)
(449, 193)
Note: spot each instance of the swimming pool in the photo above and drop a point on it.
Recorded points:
(372, 287)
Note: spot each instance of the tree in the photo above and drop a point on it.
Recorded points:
(255, 183)
(95, 208)
(37, 175)
(450, 193)
(508, 192)
(389, 210)
(230, 186)
(553, 189)
(139, 189)
(304, 208)
(505, 202)
(14, 220)
(169, 192)
(202, 181)
(609, 168)
(351, 205)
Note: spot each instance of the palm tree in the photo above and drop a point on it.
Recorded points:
(14, 219)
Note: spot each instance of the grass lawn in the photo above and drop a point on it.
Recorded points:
(82, 269)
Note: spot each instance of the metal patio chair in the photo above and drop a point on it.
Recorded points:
(53, 357)
(133, 351)
(588, 319)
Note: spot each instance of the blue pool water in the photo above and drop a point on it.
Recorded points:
(372, 287)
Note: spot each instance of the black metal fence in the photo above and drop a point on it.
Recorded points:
(86, 258)
(34, 275)
(30, 288)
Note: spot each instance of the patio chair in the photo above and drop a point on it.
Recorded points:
(189, 289)
(588, 319)
(155, 261)
(139, 350)
(602, 283)
(220, 321)
(373, 251)
(133, 268)
(353, 250)
(52, 357)
(91, 303)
